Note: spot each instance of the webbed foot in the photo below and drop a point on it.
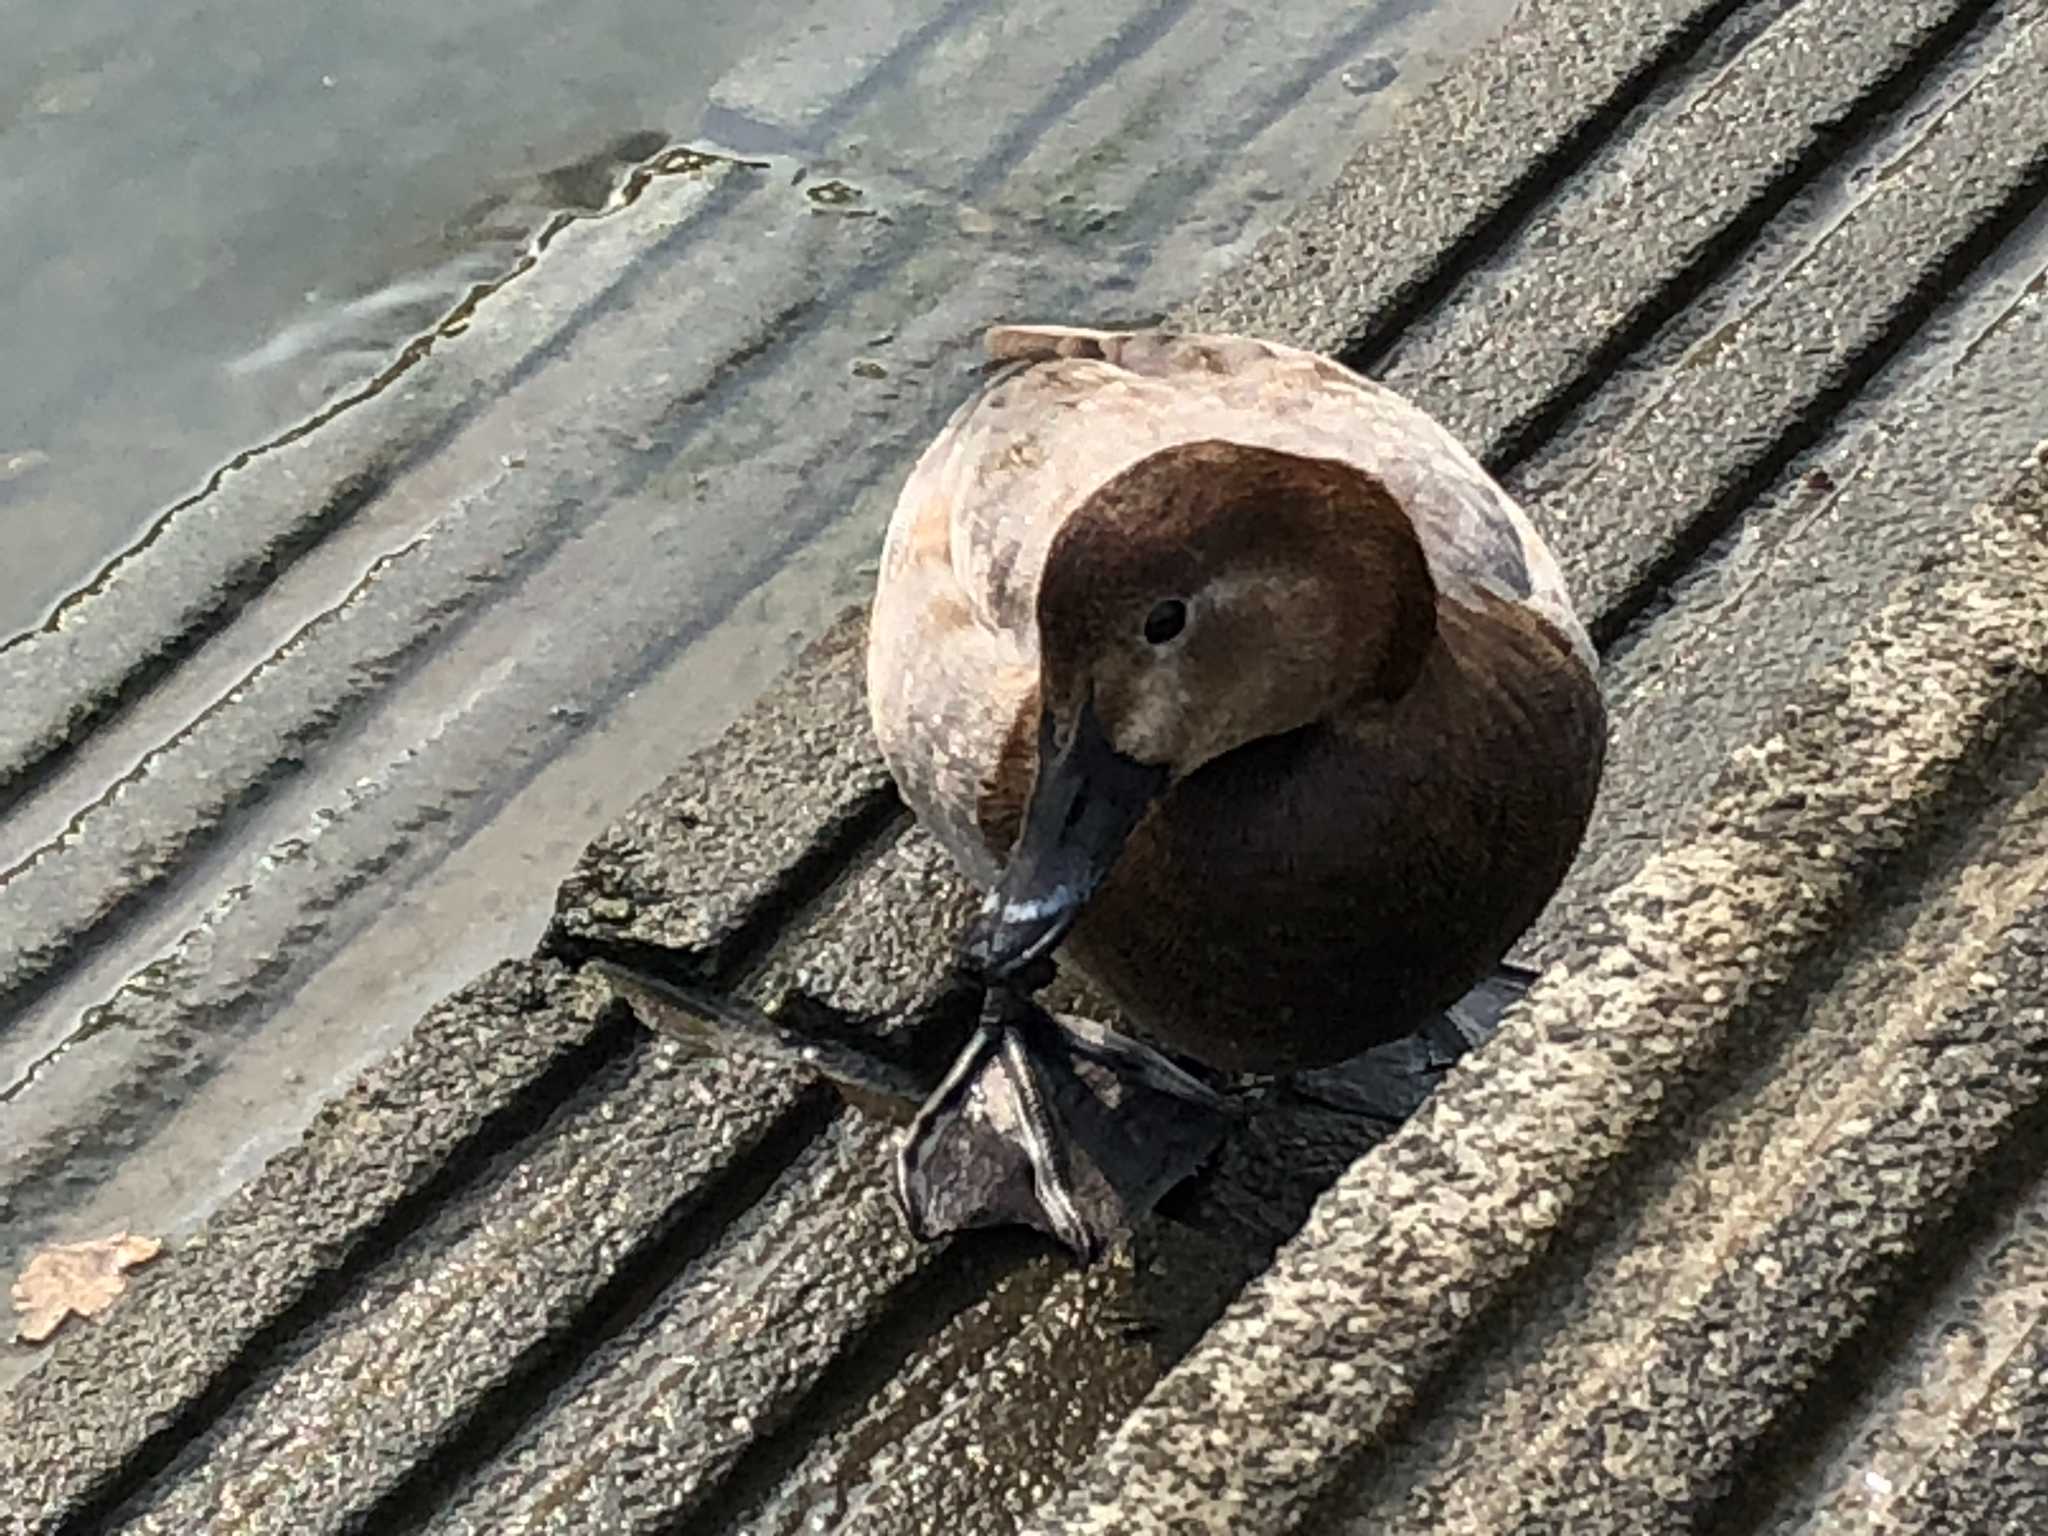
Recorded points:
(1059, 1125)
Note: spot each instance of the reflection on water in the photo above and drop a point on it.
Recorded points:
(220, 214)
(216, 214)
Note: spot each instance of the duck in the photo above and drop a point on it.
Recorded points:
(1239, 688)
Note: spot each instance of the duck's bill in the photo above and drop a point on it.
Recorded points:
(1086, 800)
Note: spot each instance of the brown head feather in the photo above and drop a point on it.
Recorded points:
(1304, 585)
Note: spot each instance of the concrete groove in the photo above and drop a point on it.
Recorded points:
(1637, 1322)
(554, 1360)
(1344, 44)
(33, 747)
(900, 987)
(25, 774)
(1623, 1324)
(1526, 1398)
(1816, 478)
(1857, 122)
(1658, 576)
(957, 1397)
(1139, 34)
(604, 302)
(946, 1283)
(892, 66)
(1626, 585)
(807, 886)
(906, 1295)
(1697, 338)
(1792, 1481)
(57, 914)
(1686, 692)
(2006, 1439)
(1368, 346)
(1487, 416)
(682, 1240)
(28, 1175)
(353, 1414)
(1376, 324)
(93, 1492)
(528, 1382)
(547, 1363)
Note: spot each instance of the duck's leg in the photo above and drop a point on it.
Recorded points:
(944, 1101)
(1475, 1017)
(1062, 1127)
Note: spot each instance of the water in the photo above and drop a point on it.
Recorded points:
(218, 214)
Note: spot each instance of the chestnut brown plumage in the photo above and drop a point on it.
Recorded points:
(1230, 672)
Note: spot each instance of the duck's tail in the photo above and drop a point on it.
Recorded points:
(1040, 343)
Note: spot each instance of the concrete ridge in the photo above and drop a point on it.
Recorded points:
(370, 1166)
(1432, 216)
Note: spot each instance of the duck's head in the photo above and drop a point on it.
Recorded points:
(1210, 596)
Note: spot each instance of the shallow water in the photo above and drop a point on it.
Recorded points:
(219, 214)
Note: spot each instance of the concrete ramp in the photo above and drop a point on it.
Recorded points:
(1740, 1225)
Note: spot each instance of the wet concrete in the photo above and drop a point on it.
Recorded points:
(1735, 1226)
(311, 766)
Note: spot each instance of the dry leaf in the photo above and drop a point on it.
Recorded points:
(75, 1277)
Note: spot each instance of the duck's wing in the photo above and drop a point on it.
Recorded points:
(952, 690)
(1150, 389)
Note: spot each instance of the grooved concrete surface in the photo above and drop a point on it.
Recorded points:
(321, 747)
(1740, 1225)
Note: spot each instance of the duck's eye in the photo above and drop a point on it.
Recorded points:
(1169, 616)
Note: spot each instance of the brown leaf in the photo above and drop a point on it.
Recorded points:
(75, 1277)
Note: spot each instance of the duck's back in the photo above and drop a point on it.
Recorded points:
(1078, 407)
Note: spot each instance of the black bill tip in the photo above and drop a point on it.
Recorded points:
(1087, 798)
